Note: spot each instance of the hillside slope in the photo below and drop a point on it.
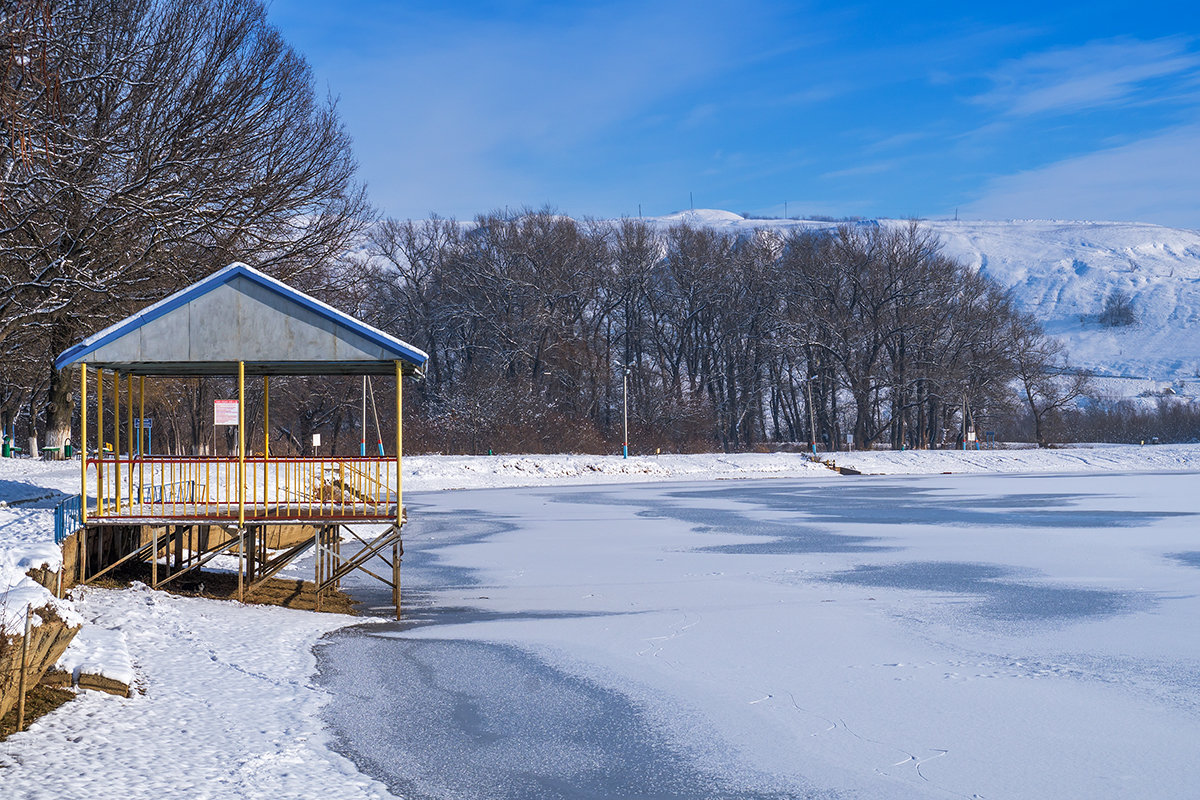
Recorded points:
(1062, 271)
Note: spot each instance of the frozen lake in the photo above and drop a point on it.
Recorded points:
(933, 636)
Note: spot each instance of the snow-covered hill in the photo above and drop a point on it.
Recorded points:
(1062, 271)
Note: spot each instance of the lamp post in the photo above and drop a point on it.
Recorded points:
(964, 421)
(812, 414)
(625, 384)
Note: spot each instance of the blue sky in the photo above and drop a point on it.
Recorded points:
(1088, 111)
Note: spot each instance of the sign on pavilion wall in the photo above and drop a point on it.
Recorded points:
(225, 412)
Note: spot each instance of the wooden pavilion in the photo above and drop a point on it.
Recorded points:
(242, 324)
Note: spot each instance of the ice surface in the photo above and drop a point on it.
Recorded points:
(978, 635)
(463, 719)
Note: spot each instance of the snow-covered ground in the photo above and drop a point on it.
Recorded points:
(29, 490)
(1078, 458)
(225, 707)
(815, 632)
(426, 473)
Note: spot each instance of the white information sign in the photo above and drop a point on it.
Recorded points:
(225, 412)
(316, 440)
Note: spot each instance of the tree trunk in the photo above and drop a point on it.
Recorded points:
(60, 408)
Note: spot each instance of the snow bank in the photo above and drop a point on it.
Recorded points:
(428, 473)
(29, 490)
(432, 473)
(229, 710)
(98, 651)
(1096, 458)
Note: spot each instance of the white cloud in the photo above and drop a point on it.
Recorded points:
(872, 168)
(1156, 179)
(1102, 73)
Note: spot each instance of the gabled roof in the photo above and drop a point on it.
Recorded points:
(241, 314)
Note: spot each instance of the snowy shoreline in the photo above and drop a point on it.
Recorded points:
(436, 473)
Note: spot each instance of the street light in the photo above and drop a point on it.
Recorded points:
(812, 415)
(625, 383)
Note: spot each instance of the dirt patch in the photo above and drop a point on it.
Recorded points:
(40, 700)
(99, 683)
(57, 678)
(223, 586)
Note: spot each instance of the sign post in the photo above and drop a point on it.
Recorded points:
(145, 424)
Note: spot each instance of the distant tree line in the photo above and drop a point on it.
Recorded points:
(1132, 421)
(861, 336)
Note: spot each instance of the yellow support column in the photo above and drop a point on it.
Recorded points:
(141, 440)
(129, 435)
(117, 440)
(241, 444)
(396, 548)
(241, 477)
(100, 442)
(83, 442)
(399, 443)
(266, 437)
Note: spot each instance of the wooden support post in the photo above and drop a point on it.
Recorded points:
(241, 565)
(154, 558)
(396, 577)
(83, 555)
(83, 443)
(24, 668)
(317, 576)
(337, 551)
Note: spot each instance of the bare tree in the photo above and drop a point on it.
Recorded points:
(173, 136)
(1118, 310)
(1047, 381)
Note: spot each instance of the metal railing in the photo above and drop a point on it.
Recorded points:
(272, 488)
(68, 518)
